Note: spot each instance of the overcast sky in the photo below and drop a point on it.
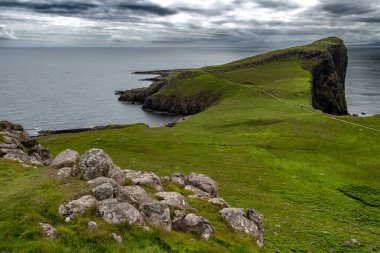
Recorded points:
(255, 23)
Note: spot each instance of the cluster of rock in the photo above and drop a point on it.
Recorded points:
(117, 203)
(18, 146)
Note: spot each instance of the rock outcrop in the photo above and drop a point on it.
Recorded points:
(116, 212)
(157, 214)
(192, 223)
(18, 146)
(76, 207)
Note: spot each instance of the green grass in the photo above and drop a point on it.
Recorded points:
(316, 180)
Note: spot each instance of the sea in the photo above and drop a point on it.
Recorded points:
(65, 88)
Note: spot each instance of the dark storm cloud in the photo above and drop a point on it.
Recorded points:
(147, 8)
(340, 8)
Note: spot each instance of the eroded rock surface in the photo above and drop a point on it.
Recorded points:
(192, 223)
(157, 214)
(67, 158)
(76, 207)
(116, 212)
(144, 178)
(173, 199)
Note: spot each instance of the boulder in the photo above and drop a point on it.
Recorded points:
(41, 153)
(116, 212)
(192, 223)
(102, 192)
(64, 173)
(157, 214)
(248, 221)
(102, 180)
(11, 140)
(179, 178)
(198, 194)
(92, 226)
(173, 199)
(95, 163)
(49, 231)
(67, 158)
(8, 146)
(165, 179)
(133, 194)
(144, 178)
(219, 202)
(117, 238)
(203, 183)
(76, 207)
(8, 126)
(19, 156)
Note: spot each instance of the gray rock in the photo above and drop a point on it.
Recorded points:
(41, 153)
(102, 192)
(95, 163)
(49, 231)
(117, 238)
(219, 202)
(179, 178)
(165, 179)
(64, 173)
(133, 194)
(157, 214)
(102, 180)
(203, 183)
(192, 223)
(248, 221)
(67, 158)
(198, 194)
(116, 212)
(173, 199)
(11, 140)
(19, 156)
(144, 178)
(76, 207)
(8, 146)
(92, 226)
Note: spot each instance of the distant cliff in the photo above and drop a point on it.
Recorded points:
(326, 60)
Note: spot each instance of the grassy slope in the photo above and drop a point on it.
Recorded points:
(316, 180)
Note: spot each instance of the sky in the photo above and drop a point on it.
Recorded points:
(214, 23)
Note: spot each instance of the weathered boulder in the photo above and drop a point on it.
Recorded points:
(165, 179)
(67, 158)
(76, 207)
(248, 221)
(8, 146)
(219, 202)
(144, 178)
(19, 156)
(102, 192)
(64, 173)
(192, 223)
(157, 214)
(49, 231)
(8, 126)
(133, 194)
(203, 183)
(117, 238)
(198, 194)
(116, 212)
(11, 140)
(41, 153)
(95, 163)
(179, 178)
(102, 180)
(92, 226)
(173, 199)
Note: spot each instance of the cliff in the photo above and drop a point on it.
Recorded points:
(326, 60)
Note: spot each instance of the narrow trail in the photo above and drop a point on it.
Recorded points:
(303, 108)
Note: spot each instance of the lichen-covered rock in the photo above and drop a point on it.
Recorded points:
(219, 202)
(102, 192)
(157, 214)
(92, 226)
(179, 178)
(64, 173)
(41, 153)
(116, 212)
(144, 178)
(197, 193)
(102, 180)
(11, 140)
(76, 207)
(95, 163)
(68, 158)
(49, 231)
(173, 199)
(203, 183)
(165, 179)
(192, 223)
(133, 194)
(19, 156)
(248, 221)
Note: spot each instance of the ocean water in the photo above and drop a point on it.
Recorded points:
(61, 88)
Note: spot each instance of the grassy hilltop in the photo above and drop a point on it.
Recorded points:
(315, 177)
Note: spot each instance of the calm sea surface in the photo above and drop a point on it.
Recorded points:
(60, 88)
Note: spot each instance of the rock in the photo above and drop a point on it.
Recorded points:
(67, 158)
(8, 126)
(11, 140)
(203, 183)
(248, 221)
(41, 153)
(19, 156)
(8, 146)
(95, 163)
(103, 191)
(157, 214)
(165, 179)
(192, 223)
(133, 194)
(92, 226)
(174, 199)
(144, 178)
(219, 202)
(198, 194)
(49, 231)
(117, 238)
(64, 173)
(76, 207)
(372, 247)
(179, 178)
(102, 180)
(116, 212)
